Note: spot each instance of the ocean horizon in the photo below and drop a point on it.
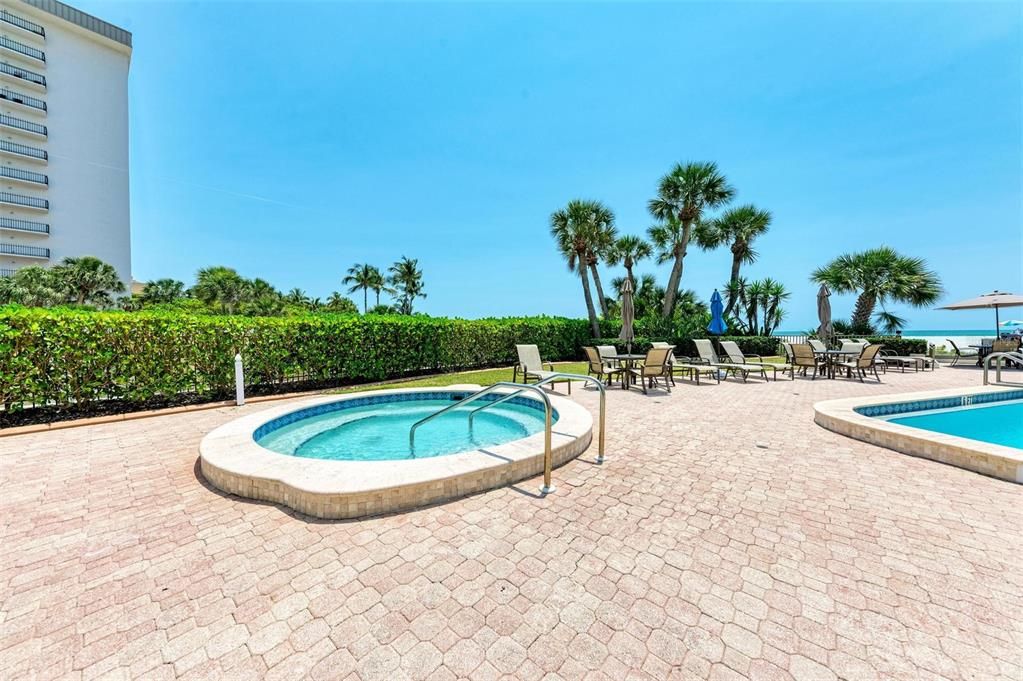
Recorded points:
(923, 333)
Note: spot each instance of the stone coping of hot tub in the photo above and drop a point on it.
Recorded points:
(990, 459)
(232, 461)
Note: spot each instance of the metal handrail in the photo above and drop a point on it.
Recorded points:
(22, 48)
(548, 410)
(24, 225)
(21, 200)
(24, 74)
(553, 379)
(20, 22)
(23, 150)
(27, 251)
(1016, 356)
(13, 173)
(21, 98)
(20, 124)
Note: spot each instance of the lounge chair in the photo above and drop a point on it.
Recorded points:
(708, 356)
(599, 367)
(968, 352)
(532, 367)
(654, 366)
(803, 357)
(685, 366)
(736, 356)
(865, 362)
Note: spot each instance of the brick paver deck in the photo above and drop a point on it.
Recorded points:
(728, 536)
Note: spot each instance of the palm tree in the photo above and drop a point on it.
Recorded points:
(629, 250)
(222, 287)
(336, 302)
(298, 297)
(879, 276)
(32, 286)
(363, 277)
(737, 227)
(603, 240)
(682, 196)
(573, 229)
(163, 291)
(407, 280)
(88, 279)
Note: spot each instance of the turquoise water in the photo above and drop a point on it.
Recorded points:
(380, 432)
(1000, 424)
(924, 333)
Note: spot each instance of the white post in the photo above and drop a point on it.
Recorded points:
(239, 380)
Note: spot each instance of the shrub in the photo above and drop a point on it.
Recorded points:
(74, 362)
(900, 345)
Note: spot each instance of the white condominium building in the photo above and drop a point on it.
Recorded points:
(63, 137)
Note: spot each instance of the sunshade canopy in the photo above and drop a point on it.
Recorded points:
(993, 299)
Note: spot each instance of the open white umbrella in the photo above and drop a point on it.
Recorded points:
(995, 299)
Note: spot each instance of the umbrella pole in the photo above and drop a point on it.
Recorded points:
(998, 324)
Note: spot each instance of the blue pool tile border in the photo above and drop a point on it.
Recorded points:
(875, 410)
(411, 396)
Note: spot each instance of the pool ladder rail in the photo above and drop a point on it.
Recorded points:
(518, 389)
(1015, 357)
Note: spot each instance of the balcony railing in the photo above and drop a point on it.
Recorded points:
(24, 225)
(24, 74)
(22, 48)
(21, 200)
(24, 150)
(27, 126)
(25, 251)
(7, 273)
(25, 24)
(19, 98)
(23, 175)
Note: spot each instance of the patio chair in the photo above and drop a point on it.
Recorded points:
(599, 367)
(803, 357)
(708, 356)
(1006, 345)
(891, 358)
(736, 356)
(654, 366)
(968, 352)
(607, 354)
(818, 346)
(686, 366)
(863, 363)
(532, 367)
(853, 346)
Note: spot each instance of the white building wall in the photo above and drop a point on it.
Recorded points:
(87, 143)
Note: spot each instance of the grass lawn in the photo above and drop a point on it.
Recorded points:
(480, 377)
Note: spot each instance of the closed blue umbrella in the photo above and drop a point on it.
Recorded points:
(717, 309)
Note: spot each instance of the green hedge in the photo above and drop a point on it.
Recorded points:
(79, 361)
(765, 346)
(900, 345)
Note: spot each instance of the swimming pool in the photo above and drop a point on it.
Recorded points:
(997, 423)
(376, 428)
(348, 456)
(980, 429)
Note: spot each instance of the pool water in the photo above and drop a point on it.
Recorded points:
(997, 423)
(380, 432)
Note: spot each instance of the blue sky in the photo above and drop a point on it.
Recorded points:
(292, 140)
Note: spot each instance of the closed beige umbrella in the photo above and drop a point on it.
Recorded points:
(995, 299)
(628, 316)
(824, 314)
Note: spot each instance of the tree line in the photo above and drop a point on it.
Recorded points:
(586, 235)
(88, 281)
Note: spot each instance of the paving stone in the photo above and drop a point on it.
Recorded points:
(691, 553)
